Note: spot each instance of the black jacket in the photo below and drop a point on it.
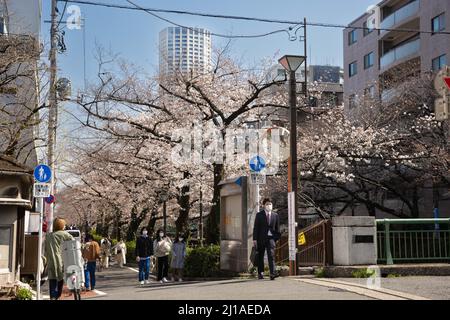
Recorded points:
(261, 227)
(144, 247)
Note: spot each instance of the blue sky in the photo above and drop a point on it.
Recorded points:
(134, 34)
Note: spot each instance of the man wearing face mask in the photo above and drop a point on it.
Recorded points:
(144, 250)
(266, 231)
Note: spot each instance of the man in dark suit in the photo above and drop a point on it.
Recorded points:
(266, 231)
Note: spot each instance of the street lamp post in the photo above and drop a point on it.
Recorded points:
(291, 64)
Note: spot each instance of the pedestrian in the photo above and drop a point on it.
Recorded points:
(53, 254)
(121, 253)
(266, 231)
(162, 246)
(178, 255)
(91, 253)
(105, 252)
(144, 250)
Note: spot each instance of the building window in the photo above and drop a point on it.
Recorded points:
(438, 23)
(353, 69)
(369, 60)
(352, 101)
(352, 37)
(366, 29)
(5, 248)
(370, 92)
(439, 62)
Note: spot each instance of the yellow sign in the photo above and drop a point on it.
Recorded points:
(301, 239)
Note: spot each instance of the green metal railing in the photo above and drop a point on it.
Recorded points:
(413, 240)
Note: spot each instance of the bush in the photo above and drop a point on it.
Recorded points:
(362, 273)
(202, 261)
(131, 248)
(319, 273)
(24, 294)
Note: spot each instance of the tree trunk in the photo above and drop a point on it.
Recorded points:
(135, 222)
(184, 202)
(212, 226)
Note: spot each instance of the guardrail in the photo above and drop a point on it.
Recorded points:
(413, 240)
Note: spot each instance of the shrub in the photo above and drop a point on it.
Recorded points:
(24, 294)
(319, 273)
(362, 273)
(131, 248)
(202, 261)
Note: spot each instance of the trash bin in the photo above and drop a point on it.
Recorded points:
(354, 241)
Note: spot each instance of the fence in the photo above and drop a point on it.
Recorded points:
(413, 240)
(317, 249)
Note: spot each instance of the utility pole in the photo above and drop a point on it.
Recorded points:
(53, 110)
(201, 217)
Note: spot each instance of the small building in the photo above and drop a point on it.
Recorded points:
(16, 183)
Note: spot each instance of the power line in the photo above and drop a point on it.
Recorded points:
(211, 33)
(266, 20)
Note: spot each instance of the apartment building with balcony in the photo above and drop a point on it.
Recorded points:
(375, 62)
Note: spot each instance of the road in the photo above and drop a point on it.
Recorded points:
(122, 284)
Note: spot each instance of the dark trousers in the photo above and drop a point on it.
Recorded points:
(144, 269)
(262, 246)
(91, 266)
(55, 288)
(163, 267)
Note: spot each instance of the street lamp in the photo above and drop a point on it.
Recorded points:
(164, 197)
(291, 64)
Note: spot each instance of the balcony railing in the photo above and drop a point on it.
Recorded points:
(401, 14)
(398, 53)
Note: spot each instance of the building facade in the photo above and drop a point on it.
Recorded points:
(371, 57)
(185, 50)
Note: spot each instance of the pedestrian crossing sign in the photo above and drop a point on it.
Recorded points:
(301, 239)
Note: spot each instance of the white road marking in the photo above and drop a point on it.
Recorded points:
(100, 293)
(378, 293)
(133, 269)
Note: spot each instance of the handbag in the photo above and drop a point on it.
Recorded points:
(254, 256)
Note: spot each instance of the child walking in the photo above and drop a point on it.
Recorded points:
(178, 255)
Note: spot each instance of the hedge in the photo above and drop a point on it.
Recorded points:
(202, 261)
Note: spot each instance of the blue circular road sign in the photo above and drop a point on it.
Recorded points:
(42, 173)
(257, 164)
(50, 199)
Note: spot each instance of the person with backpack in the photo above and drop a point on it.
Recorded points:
(53, 255)
(144, 250)
(162, 247)
(178, 256)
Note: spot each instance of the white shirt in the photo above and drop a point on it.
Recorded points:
(270, 216)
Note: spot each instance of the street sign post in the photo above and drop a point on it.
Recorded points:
(257, 164)
(291, 227)
(41, 189)
(257, 178)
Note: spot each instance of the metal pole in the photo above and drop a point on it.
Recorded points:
(165, 216)
(53, 107)
(293, 155)
(40, 207)
(201, 217)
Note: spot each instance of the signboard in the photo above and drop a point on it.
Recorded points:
(291, 226)
(447, 81)
(257, 178)
(257, 164)
(42, 173)
(50, 199)
(301, 239)
(41, 190)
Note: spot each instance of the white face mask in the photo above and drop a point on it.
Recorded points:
(268, 207)
(161, 234)
(180, 239)
(145, 232)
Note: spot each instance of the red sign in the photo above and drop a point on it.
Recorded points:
(447, 81)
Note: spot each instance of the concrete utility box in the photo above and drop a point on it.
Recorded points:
(238, 208)
(354, 241)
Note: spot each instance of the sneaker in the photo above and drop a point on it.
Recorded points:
(161, 281)
(165, 280)
(180, 280)
(147, 282)
(141, 282)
